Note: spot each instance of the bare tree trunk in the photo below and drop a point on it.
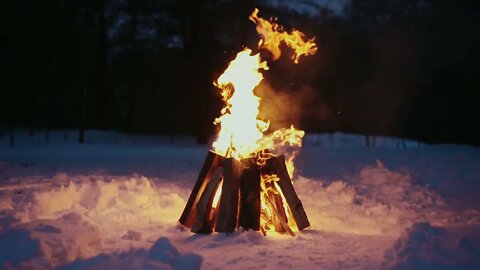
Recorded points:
(195, 86)
(87, 15)
(105, 91)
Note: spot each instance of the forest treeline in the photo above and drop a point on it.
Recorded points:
(406, 68)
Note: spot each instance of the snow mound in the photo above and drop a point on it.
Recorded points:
(162, 255)
(108, 204)
(85, 217)
(395, 189)
(380, 175)
(6, 203)
(379, 202)
(427, 247)
(135, 200)
(47, 243)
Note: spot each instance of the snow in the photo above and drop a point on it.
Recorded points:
(427, 247)
(162, 255)
(114, 203)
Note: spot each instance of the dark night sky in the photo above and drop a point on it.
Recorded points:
(388, 67)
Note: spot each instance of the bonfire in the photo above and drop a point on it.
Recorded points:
(246, 179)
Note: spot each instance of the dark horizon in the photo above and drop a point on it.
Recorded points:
(407, 69)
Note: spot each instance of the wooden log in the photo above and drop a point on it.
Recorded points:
(282, 223)
(272, 203)
(212, 161)
(280, 217)
(228, 206)
(203, 222)
(274, 200)
(249, 215)
(285, 184)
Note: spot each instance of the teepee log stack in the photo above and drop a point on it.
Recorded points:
(239, 204)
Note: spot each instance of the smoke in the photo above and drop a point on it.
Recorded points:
(287, 106)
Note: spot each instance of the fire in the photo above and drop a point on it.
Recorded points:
(275, 214)
(273, 35)
(242, 132)
(217, 195)
(290, 166)
(240, 127)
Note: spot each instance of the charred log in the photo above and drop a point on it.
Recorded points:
(285, 184)
(249, 216)
(228, 205)
(212, 161)
(239, 204)
(204, 222)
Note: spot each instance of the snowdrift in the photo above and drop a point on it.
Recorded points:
(114, 203)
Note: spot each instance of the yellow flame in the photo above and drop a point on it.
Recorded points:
(282, 137)
(290, 166)
(273, 35)
(216, 198)
(266, 213)
(240, 128)
(241, 132)
(267, 220)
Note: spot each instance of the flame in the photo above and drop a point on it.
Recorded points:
(240, 128)
(266, 211)
(242, 133)
(269, 188)
(273, 35)
(290, 166)
(283, 137)
(216, 197)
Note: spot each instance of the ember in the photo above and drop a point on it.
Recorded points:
(246, 179)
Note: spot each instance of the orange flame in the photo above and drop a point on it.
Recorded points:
(273, 34)
(290, 166)
(270, 189)
(241, 132)
(216, 197)
(240, 128)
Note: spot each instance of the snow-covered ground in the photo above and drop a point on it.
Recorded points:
(114, 202)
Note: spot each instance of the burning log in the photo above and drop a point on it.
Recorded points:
(285, 183)
(228, 208)
(276, 204)
(249, 216)
(212, 161)
(203, 221)
(242, 184)
(239, 203)
(280, 218)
